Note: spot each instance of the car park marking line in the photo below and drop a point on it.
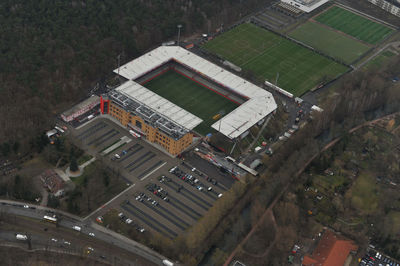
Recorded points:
(188, 196)
(106, 139)
(184, 211)
(164, 214)
(196, 195)
(138, 159)
(207, 193)
(92, 131)
(192, 196)
(105, 134)
(129, 155)
(152, 171)
(149, 171)
(108, 202)
(173, 215)
(130, 152)
(222, 187)
(152, 219)
(192, 185)
(145, 221)
(180, 208)
(142, 162)
(126, 180)
(98, 126)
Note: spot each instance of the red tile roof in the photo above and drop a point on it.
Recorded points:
(52, 180)
(332, 250)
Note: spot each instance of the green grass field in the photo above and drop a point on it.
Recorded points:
(329, 41)
(192, 97)
(379, 60)
(265, 54)
(364, 193)
(352, 24)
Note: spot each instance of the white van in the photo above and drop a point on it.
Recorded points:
(77, 228)
(21, 237)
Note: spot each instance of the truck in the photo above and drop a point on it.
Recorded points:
(21, 237)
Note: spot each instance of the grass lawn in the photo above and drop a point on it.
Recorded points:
(352, 24)
(364, 194)
(266, 54)
(192, 97)
(379, 60)
(392, 222)
(329, 41)
(330, 183)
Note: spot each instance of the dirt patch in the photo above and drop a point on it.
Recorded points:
(17, 256)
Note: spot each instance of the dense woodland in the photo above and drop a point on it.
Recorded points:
(53, 52)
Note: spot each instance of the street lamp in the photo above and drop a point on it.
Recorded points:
(179, 32)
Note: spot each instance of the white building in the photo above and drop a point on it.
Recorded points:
(305, 5)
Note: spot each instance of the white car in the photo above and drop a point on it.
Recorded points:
(128, 221)
(90, 248)
(26, 206)
(67, 243)
(54, 240)
(91, 234)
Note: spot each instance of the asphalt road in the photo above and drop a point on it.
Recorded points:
(101, 234)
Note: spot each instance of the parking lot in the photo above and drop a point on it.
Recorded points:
(166, 195)
(375, 258)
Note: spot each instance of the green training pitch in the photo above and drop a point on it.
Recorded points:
(354, 25)
(330, 42)
(192, 97)
(266, 54)
(379, 60)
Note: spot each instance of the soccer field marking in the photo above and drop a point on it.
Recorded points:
(189, 95)
(299, 68)
(355, 24)
(330, 41)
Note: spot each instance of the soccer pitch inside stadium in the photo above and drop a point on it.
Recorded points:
(192, 97)
(266, 54)
(329, 41)
(352, 24)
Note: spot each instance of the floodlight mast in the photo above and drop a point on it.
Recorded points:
(179, 33)
(119, 65)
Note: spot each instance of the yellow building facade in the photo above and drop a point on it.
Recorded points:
(173, 145)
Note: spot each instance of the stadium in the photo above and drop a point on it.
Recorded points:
(170, 93)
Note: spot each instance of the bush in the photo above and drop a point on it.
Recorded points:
(52, 201)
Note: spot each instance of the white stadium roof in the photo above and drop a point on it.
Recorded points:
(159, 104)
(260, 103)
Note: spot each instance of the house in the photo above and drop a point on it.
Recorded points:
(332, 250)
(53, 182)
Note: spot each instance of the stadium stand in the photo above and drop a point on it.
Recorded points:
(303, 5)
(391, 6)
(259, 102)
(288, 9)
